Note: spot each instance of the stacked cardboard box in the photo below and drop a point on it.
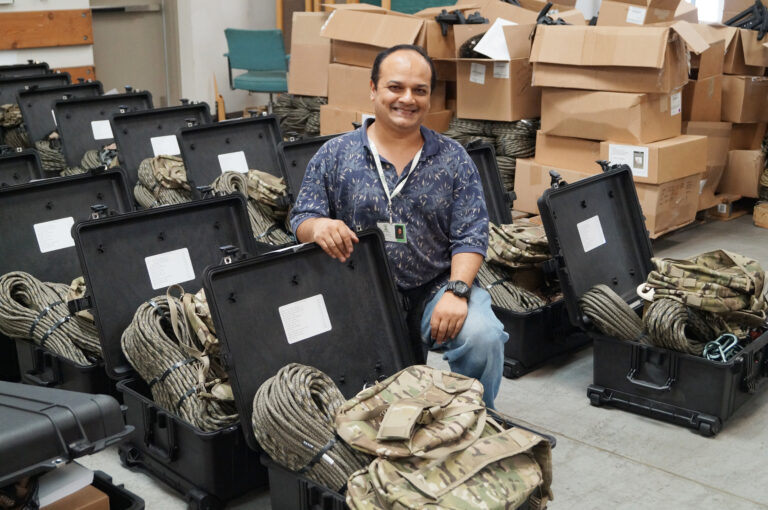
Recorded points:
(625, 105)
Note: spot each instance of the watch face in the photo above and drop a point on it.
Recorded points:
(459, 288)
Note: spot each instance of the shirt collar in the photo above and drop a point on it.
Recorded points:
(431, 146)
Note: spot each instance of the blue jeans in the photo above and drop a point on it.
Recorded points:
(478, 349)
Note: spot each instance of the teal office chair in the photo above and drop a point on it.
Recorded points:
(262, 54)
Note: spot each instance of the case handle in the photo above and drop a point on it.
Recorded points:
(635, 366)
(40, 369)
(152, 416)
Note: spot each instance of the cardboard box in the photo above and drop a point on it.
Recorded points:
(687, 12)
(708, 187)
(670, 205)
(623, 14)
(718, 139)
(445, 69)
(531, 179)
(747, 137)
(567, 152)
(310, 55)
(349, 88)
(659, 162)
(742, 175)
(495, 9)
(87, 498)
(623, 59)
(745, 55)
(733, 7)
(618, 116)
(745, 99)
(335, 120)
(437, 44)
(702, 99)
(357, 36)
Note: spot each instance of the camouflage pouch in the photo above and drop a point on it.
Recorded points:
(500, 471)
(10, 116)
(267, 190)
(169, 172)
(517, 245)
(419, 412)
(717, 281)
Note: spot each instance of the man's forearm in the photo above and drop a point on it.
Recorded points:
(464, 267)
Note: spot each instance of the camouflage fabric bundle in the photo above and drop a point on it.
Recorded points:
(499, 471)
(299, 115)
(418, 412)
(269, 191)
(11, 128)
(719, 282)
(162, 181)
(517, 245)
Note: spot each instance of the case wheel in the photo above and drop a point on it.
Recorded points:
(200, 500)
(709, 428)
(594, 398)
(513, 369)
(129, 456)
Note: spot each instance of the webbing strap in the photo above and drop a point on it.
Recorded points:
(314, 460)
(58, 323)
(189, 392)
(169, 370)
(42, 314)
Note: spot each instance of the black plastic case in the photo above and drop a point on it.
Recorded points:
(119, 497)
(667, 385)
(208, 467)
(19, 167)
(9, 87)
(294, 158)
(37, 105)
(135, 131)
(21, 70)
(537, 336)
(75, 117)
(21, 208)
(256, 137)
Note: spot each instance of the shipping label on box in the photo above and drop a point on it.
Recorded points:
(662, 161)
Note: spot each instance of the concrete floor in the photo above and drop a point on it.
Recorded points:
(605, 458)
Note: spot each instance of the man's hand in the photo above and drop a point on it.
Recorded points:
(333, 236)
(448, 317)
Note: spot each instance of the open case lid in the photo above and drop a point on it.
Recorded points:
(240, 145)
(131, 258)
(294, 158)
(19, 167)
(299, 305)
(597, 234)
(36, 221)
(42, 428)
(37, 105)
(20, 70)
(497, 199)
(83, 123)
(9, 87)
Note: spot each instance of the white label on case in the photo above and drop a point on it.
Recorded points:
(635, 157)
(501, 70)
(477, 73)
(165, 145)
(101, 130)
(675, 103)
(305, 318)
(169, 268)
(233, 162)
(55, 234)
(591, 233)
(636, 15)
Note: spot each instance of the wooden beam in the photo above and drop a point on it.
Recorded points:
(84, 72)
(42, 29)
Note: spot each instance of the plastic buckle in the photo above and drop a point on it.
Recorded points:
(123, 108)
(230, 253)
(99, 211)
(79, 304)
(191, 122)
(206, 191)
(556, 181)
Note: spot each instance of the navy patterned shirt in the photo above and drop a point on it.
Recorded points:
(442, 203)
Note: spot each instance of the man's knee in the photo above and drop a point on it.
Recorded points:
(483, 331)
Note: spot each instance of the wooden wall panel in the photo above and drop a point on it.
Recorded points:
(84, 72)
(39, 29)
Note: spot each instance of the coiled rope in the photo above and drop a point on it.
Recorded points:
(293, 421)
(299, 114)
(505, 294)
(183, 373)
(673, 325)
(612, 315)
(37, 311)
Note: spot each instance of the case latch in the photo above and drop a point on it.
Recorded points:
(229, 253)
(206, 191)
(99, 211)
(607, 166)
(556, 181)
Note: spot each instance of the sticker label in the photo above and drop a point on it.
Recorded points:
(327, 458)
(101, 130)
(477, 73)
(165, 145)
(702, 183)
(591, 233)
(635, 157)
(305, 318)
(501, 70)
(53, 113)
(233, 162)
(55, 234)
(676, 103)
(169, 268)
(722, 208)
(636, 15)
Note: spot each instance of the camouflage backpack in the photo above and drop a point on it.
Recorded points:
(418, 412)
(502, 469)
(718, 281)
(517, 245)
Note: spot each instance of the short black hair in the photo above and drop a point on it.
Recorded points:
(375, 71)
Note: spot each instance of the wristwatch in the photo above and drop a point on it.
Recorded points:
(459, 288)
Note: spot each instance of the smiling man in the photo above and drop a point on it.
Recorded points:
(423, 192)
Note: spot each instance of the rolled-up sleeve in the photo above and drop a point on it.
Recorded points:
(312, 200)
(469, 214)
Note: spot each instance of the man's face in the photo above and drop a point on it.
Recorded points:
(401, 98)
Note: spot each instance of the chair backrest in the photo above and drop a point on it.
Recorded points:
(256, 50)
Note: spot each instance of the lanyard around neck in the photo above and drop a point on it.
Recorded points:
(383, 179)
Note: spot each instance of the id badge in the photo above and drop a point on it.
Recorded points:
(393, 232)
